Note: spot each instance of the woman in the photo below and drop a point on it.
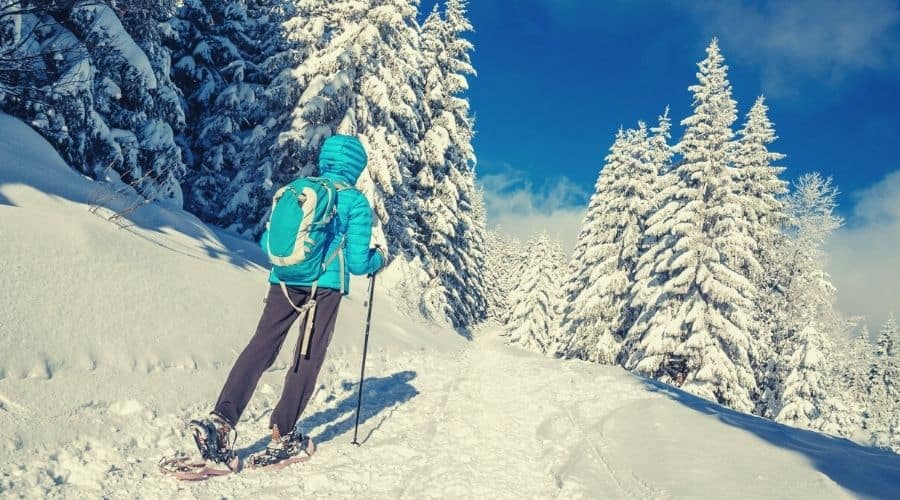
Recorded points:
(341, 160)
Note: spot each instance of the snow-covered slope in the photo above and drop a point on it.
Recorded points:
(112, 337)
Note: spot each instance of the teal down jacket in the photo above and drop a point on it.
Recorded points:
(342, 159)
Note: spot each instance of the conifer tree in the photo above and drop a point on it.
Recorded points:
(702, 303)
(643, 286)
(861, 347)
(759, 191)
(884, 377)
(502, 270)
(661, 152)
(579, 315)
(885, 348)
(809, 296)
(105, 100)
(598, 314)
(443, 185)
(364, 81)
(470, 304)
(853, 368)
(535, 300)
(226, 56)
(804, 395)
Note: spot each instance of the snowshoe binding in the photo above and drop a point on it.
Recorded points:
(215, 440)
(283, 451)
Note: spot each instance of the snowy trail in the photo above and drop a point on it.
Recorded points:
(482, 421)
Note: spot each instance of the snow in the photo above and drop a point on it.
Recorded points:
(112, 337)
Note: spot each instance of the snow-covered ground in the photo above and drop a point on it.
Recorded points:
(112, 337)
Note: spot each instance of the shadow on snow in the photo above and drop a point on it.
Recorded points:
(865, 471)
(379, 394)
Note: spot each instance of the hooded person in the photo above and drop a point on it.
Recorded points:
(341, 160)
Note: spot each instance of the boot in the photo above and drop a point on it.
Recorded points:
(284, 450)
(215, 440)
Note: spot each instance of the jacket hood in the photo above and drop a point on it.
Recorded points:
(342, 158)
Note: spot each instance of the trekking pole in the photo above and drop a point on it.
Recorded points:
(362, 371)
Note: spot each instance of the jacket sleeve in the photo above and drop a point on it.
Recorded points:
(360, 258)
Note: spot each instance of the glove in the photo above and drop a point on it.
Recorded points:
(381, 246)
(385, 256)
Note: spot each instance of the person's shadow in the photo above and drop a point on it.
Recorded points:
(379, 394)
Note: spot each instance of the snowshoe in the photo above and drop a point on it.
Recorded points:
(283, 451)
(215, 441)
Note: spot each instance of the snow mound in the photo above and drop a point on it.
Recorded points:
(113, 335)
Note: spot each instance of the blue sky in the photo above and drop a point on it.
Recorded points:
(556, 78)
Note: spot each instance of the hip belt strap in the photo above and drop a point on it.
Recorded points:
(308, 314)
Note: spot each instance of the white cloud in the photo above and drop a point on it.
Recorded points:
(823, 39)
(523, 209)
(865, 255)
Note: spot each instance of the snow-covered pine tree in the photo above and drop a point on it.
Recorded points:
(141, 107)
(661, 152)
(364, 81)
(602, 273)
(885, 350)
(809, 296)
(456, 287)
(107, 103)
(852, 367)
(805, 399)
(200, 40)
(502, 265)
(755, 176)
(759, 191)
(884, 376)
(23, 65)
(702, 304)
(434, 139)
(42, 66)
(579, 272)
(478, 232)
(643, 287)
(861, 348)
(468, 287)
(141, 19)
(534, 302)
(227, 59)
(443, 183)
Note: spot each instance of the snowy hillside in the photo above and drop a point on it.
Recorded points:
(112, 337)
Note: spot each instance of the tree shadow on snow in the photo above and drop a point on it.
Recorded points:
(379, 394)
(865, 471)
(155, 222)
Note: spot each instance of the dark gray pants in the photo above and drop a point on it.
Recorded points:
(261, 352)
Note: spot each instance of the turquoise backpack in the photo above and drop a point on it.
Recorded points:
(298, 228)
